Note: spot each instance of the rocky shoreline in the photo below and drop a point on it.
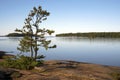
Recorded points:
(62, 70)
(3, 54)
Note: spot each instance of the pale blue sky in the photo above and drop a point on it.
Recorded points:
(66, 15)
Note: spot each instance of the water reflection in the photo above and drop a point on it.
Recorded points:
(98, 50)
(14, 38)
(87, 39)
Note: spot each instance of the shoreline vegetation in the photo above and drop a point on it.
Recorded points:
(91, 35)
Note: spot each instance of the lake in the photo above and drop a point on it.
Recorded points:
(105, 51)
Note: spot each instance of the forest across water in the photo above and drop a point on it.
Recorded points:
(91, 34)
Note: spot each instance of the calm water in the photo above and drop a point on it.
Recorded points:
(100, 51)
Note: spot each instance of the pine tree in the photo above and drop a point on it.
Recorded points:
(34, 35)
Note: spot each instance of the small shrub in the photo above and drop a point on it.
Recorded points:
(21, 62)
(116, 76)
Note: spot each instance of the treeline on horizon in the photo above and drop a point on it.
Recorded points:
(15, 35)
(91, 34)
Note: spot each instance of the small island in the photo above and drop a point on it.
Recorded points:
(15, 35)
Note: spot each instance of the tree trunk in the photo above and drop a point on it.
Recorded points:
(31, 50)
(31, 47)
(36, 48)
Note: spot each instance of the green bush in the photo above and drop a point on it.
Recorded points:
(116, 75)
(21, 62)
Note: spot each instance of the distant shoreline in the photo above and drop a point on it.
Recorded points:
(91, 34)
(79, 34)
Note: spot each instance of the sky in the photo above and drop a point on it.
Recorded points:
(66, 16)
